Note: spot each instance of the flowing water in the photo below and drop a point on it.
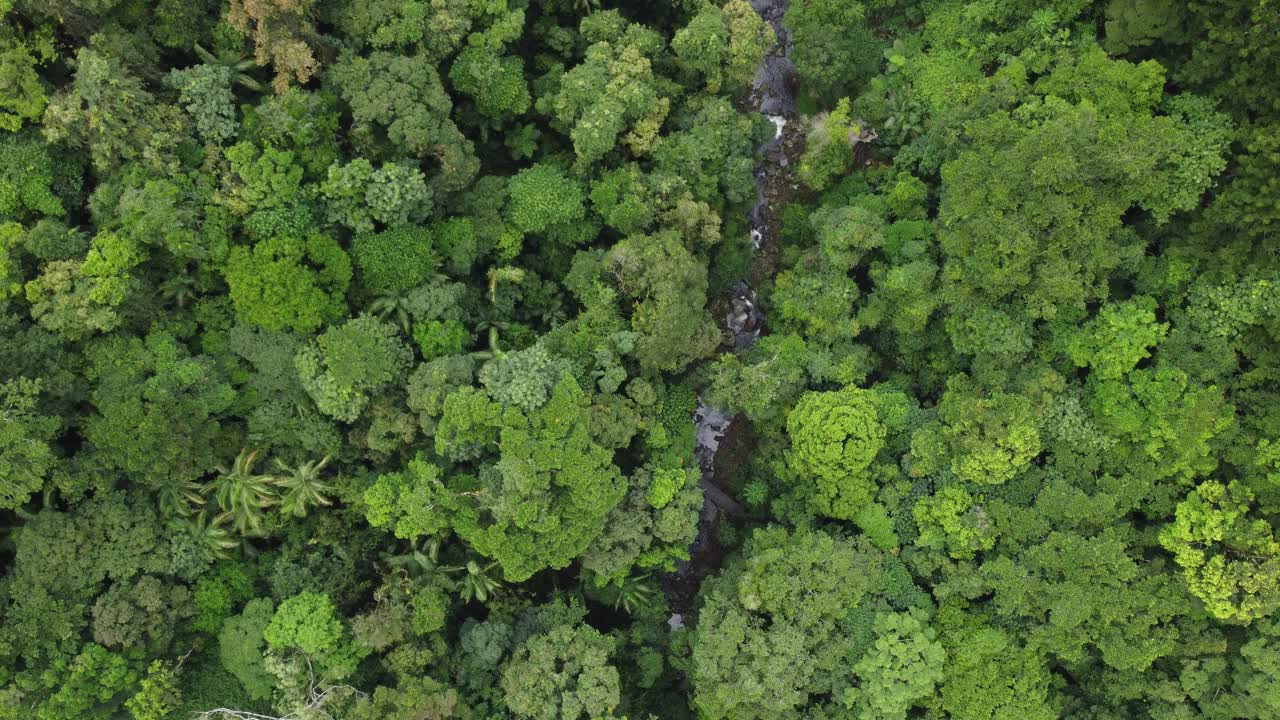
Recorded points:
(773, 95)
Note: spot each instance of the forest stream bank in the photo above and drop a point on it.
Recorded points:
(718, 444)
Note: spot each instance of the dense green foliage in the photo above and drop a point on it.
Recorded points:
(350, 352)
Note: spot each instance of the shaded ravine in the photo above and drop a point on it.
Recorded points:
(773, 95)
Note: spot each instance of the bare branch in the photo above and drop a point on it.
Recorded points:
(318, 696)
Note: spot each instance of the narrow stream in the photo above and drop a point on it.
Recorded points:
(773, 94)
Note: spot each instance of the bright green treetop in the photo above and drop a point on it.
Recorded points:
(835, 436)
(553, 488)
(564, 674)
(410, 501)
(900, 669)
(308, 623)
(1229, 557)
(771, 639)
(542, 196)
(724, 44)
(349, 363)
(289, 282)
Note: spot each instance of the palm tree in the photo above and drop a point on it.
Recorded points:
(476, 583)
(178, 290)
(634, 593)
(394, 308)
(303, 487)
(755, 493)
(491, 327)
(236, 62)
(419, 561)
(180, 499)
(554, 314)
(244, 494)
(210, 537)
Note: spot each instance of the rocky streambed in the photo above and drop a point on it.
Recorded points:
(773, 95)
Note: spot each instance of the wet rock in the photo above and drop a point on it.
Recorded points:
(710, 425)
(745, 319)
(775, 81)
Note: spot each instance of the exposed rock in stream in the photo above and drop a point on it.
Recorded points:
(775, 81)
(745, 319)
(711, 424)
(773, 94)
